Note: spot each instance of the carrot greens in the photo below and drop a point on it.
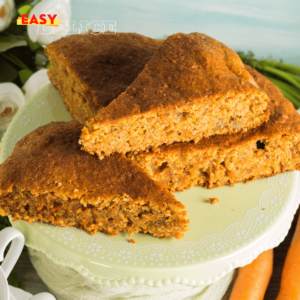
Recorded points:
(286, 77)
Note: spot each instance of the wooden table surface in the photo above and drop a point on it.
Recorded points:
(33, 284)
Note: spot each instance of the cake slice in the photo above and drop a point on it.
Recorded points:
(49, 179)
(265, 151)
(90, 70)
(193, 87)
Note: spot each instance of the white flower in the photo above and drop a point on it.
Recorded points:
(48, 34)
(7, 12)
(11, 99)
(35, 82)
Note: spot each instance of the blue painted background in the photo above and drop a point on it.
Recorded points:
(267, 27)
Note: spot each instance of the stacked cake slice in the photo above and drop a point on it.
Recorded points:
(193, 87)
(159, 116)
(49, 179)
(90, 70)
(191, 73)
(264, 151)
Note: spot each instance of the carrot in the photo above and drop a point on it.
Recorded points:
(290, 277)
(252, 280)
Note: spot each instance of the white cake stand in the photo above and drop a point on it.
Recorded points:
(248, 220)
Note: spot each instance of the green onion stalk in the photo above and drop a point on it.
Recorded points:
(286, 77)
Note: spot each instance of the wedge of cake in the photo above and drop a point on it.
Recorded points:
(193, 87)
(49, 179)
(90, 70)
(265, 151)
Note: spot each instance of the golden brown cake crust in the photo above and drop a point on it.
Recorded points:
(49, 179)
(184, 68)
(283, 116)
(265, 151)
(50, 160)
(102, 65)
(192, 88)
(284, 119)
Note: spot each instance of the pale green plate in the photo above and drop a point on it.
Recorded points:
(244, 216)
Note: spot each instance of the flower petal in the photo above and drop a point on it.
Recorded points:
(11, 99)
(48, 34)
(35, 82)
(8, 10)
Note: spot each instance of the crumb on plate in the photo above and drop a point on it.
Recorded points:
(213, 200)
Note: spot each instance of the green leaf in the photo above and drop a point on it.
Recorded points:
(33, 45)
(8, 73)
(14, 59)
(2, 226)
(5, 221)
(24, 75)
(247, 58)
(48, 65)
(14, 280)
(24, 10)
(11, 41)
(15, 29)
(20, 3)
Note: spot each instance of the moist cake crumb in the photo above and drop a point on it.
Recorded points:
(191, 88)
(49, 179)
(213, 200)
(91, 70)
(261, 152)
(132, 241)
